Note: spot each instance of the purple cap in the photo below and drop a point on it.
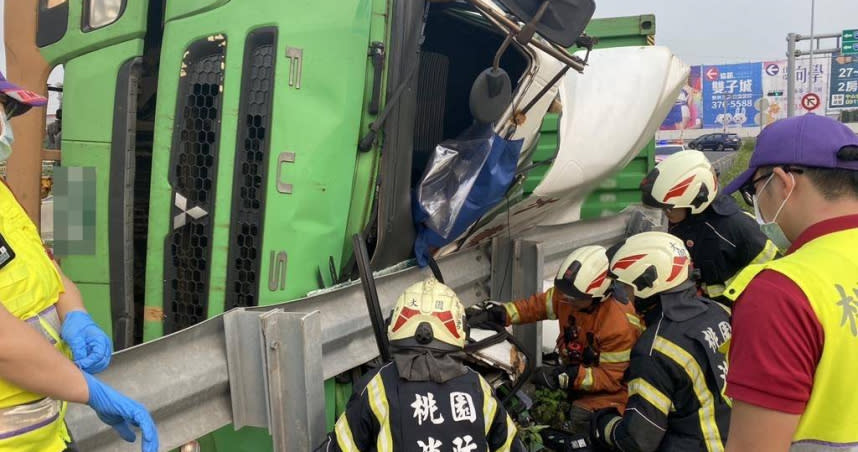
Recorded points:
(21, 95)
(807, 140)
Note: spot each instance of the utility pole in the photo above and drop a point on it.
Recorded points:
(791, 38)
(792, 53)
(810, 62)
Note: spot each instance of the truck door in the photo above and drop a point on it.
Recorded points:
(258, 116)
(101, 45)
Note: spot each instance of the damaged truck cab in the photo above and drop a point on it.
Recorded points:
(238, 145)
(233, 146)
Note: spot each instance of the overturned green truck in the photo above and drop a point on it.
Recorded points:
(235, 151)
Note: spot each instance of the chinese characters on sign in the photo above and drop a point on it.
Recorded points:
(754, 94)
(731, 95)
(844, 82)
(808, 82)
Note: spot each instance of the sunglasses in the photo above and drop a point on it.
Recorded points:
(749, 190)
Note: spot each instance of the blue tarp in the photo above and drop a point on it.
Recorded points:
(463, 180)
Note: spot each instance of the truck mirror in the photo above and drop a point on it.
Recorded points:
(559, 21)
(491, 95)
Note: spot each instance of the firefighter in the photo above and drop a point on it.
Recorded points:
(596, 334)
(721, 238)
(49, 345)
(792, 358)
(678, 373)
(426, 400)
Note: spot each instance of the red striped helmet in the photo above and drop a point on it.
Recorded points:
(428, 314)
(651, 262)
(683, 180)
(584, 273)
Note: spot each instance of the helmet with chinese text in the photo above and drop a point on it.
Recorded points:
(428, 315)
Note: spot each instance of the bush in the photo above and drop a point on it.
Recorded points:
(740, 163)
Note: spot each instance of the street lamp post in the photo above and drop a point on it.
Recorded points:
(810, 61)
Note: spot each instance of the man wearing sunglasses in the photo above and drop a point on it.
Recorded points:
(49, 346)
(795, 321)
(721, 238)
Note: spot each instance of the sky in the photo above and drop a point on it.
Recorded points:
(734, 31)
(711, 32)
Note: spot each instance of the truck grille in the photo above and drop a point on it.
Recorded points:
(193, 168)
(251, 160)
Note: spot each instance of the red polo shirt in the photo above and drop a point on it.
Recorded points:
(777, 339)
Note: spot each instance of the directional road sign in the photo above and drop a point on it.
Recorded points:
(849, 42)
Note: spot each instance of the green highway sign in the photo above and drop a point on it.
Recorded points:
(849, 42)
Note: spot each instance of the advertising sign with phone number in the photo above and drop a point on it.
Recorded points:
(730, 94)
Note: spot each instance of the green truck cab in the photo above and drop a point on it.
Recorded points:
(225, 138)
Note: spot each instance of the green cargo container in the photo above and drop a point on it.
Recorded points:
(617, 192)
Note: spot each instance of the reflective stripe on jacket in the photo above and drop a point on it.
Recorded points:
(29, 288)
(615, 328)
(677, 379)
(393, 414)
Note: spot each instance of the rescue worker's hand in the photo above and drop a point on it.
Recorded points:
(602, 425)
(492, 314)
(555, 377)
(90, 347)
(120, 412)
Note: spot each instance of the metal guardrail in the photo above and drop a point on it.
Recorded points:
(183, 378)
(722, 163)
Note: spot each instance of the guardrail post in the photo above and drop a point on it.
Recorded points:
(296, 392)
(275, 373)
(516, 273)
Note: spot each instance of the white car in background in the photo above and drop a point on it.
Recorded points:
(662, 151)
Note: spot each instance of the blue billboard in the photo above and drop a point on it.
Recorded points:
(731, 95)
(844, 82)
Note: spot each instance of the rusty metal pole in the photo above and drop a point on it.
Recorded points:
(26, 68)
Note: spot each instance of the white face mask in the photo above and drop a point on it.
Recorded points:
(6, 138)
(770, 228)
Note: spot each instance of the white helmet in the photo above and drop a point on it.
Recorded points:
(428, 314)
(584, 273)
(684, 179)
(651, 262)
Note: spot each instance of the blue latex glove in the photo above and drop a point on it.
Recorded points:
(120, 412)
(90, 347)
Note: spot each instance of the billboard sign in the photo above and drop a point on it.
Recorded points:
(810, 84)
(687, 111)
(844, 82)
(731, 95)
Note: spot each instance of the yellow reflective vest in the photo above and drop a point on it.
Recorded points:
(826, 270)
(30, 286)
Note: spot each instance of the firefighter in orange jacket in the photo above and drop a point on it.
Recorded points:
(597, 333)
